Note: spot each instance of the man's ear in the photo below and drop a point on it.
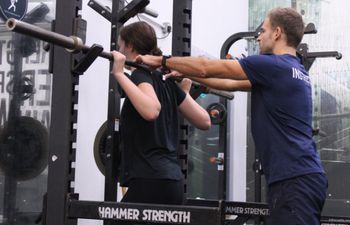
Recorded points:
(278, 33)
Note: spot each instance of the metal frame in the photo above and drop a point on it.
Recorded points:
(146, 213)
(181, 46)
(62, 144)
(211, 212)
(238, 213)
(223, 153)
(113, 115)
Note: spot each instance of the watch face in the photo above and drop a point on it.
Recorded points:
(13, 9)
(164, 58)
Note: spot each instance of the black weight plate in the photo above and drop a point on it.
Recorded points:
(23, 152)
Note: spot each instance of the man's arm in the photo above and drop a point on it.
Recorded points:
(224, 84)
(198, 66)
(215, 83)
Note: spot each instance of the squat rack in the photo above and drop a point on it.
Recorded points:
(62, 145)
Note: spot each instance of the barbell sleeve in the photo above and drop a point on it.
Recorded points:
(40, 33)
(72, 43)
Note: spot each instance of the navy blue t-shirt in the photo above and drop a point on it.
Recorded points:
(281, 112)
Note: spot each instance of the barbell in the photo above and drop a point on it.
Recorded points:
(74, 44)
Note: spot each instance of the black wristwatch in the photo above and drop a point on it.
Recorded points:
(164, 58)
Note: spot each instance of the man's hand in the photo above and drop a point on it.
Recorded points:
(173, 73)
(151, 60)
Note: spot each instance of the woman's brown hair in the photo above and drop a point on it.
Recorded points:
(141, 37)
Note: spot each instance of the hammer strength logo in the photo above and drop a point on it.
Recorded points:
(150, 215)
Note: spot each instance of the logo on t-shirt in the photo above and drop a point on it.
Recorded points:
(297, 74)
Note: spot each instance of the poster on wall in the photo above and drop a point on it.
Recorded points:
(31, 73)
